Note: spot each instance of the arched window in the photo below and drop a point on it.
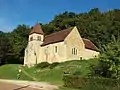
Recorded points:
(74, 51)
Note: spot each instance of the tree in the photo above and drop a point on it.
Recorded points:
(94, 25)
(18, 40)
(109, 65)
(5, 49)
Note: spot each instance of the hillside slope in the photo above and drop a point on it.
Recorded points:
(54, 75)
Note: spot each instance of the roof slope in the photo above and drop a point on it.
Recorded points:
(37, 29)
(89, 45)
(61, 35)
(56, 37)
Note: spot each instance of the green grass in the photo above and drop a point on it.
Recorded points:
(10, 71)
(53, 76)
(66, 88)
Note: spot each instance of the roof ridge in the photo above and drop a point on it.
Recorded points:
(57, 36)
(86, 39)
(70, 28)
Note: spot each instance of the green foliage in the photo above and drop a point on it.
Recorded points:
(74, 81)
(83, 83)
(5, 49)
(77, 73)
(102, 84)
(95, 25)
(42, 65)
(109, 65)
(18, 41)
(53, 65)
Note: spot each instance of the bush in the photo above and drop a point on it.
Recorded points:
(102, 84)
(91, 83)
(77, 73)
(42, 65)
(53, 65)
(74, 81)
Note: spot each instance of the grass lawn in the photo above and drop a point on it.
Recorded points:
(65, 88)
(54, 76)
(10, 71)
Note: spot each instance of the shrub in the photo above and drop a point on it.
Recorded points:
(77, 73)
(53, 65)
(74, 81)
(42, 65)
(91, 83)
(102, 84)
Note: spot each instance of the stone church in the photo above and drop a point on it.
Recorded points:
(60, 46)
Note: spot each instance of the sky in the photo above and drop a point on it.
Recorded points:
(29, 12)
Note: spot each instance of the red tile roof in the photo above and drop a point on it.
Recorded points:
(37, 29)
(61, 35)
(56, 37)
(89, 45)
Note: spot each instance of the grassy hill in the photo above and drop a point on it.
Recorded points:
(55, 75)
(10, 71)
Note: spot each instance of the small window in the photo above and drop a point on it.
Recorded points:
(56, 49)
(72, 51)
(76, 51)
(31, 38)
(39, 38)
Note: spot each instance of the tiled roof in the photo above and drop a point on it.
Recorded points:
(89, 45)
(37, 29)
(56, 37)
(61, 35)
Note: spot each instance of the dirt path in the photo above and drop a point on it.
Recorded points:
(9, 86)
(25, 85)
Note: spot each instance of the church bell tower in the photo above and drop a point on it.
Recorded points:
(36, 34)
(36, 38)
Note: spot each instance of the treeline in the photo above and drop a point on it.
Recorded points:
(99, 27)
